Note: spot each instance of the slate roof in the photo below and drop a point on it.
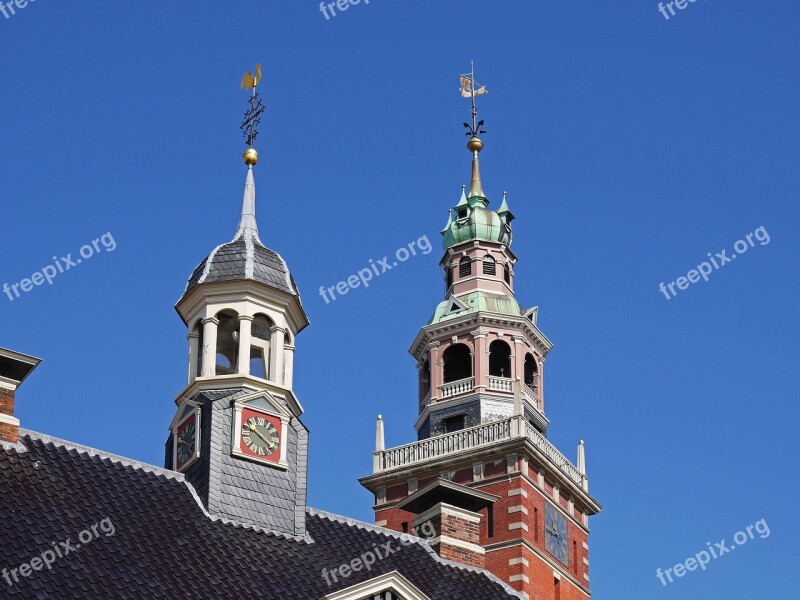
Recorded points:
(165, 545)
(242, 259)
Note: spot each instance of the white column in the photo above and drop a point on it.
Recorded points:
(582, 465)
(380, 442)
(288, 368)
(276, 346)
(194, 357)
(210, 347)
(245, 327)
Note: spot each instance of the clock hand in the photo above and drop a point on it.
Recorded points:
(268, 442)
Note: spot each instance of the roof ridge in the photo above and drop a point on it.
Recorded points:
(369, 526)
(131, 462)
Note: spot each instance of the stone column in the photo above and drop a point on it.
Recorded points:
(481, 362)
(288, 369)
(245, 328)
(518, 358)
(276, 360)
(209, 347)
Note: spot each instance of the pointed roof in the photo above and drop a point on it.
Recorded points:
(245, 257)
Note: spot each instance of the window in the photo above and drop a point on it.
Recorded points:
(457, 363)
(425, 379)
(531, 372)
(456, 423)
(227, 342)
(465, 267)
(499, 359)
(507, 274)
(461, 213)
(261, 332)
(449, 278)
(200, 327)
(489, 266)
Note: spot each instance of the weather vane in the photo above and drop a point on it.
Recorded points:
(469, 89)
(252, 117)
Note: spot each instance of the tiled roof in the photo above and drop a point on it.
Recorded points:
(165, 545)
(243, 258)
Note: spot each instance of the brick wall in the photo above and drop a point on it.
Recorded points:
(6, 401)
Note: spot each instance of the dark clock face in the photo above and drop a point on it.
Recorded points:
(260, 435)
(186, 440)
(556, 540)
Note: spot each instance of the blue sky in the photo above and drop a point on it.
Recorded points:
(630, 146)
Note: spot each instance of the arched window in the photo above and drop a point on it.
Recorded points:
(260, 347)
(227, 338)
(457, 363)
(449, 276)
(425, 378)
(489, 266)
(198, 328)
(499, 359)
(465, 267)
(531, 372)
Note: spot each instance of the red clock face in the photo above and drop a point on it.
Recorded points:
(260, 435)
(186, 441)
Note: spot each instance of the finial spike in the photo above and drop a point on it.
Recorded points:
(380, 441)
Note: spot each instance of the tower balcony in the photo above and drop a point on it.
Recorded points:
(451, 445)
(503, 385)
(455, 388)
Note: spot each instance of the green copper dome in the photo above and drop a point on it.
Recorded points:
(474, 221)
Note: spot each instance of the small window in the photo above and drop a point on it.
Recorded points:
(465, 268)
(456, 423)
(461, 213)
(449, 275)
(507, 274)
(258, 366)
(489, 266)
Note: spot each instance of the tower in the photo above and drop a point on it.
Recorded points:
(237, 434)
(482, 472)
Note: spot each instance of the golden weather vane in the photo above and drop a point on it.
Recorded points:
(252, 117)
(469, 89)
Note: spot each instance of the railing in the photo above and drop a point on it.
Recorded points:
(532, 396)
(457, 387)
(501, 384)
(476, 437)
(553, 454)
(442, 445)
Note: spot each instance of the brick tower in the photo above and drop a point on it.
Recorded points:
(498, 494)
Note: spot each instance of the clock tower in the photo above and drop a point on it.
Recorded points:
(237, 434)
(482, 471)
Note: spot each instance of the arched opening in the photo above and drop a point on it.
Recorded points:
(531, 372)
(198, 358)
(507, 274)
(424, 379)
(465, 267)
(227, 343)
(489, 266)
(457, 363)
(499, 359)
(449, 278)
(260, 346)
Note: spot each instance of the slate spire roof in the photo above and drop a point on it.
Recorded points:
(245, 256)
(164, 545)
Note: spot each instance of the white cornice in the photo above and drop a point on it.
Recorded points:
(228, 382)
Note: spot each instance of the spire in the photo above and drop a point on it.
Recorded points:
(247, 221)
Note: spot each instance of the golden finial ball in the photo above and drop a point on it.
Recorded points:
(250, 157)
(475, 144)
